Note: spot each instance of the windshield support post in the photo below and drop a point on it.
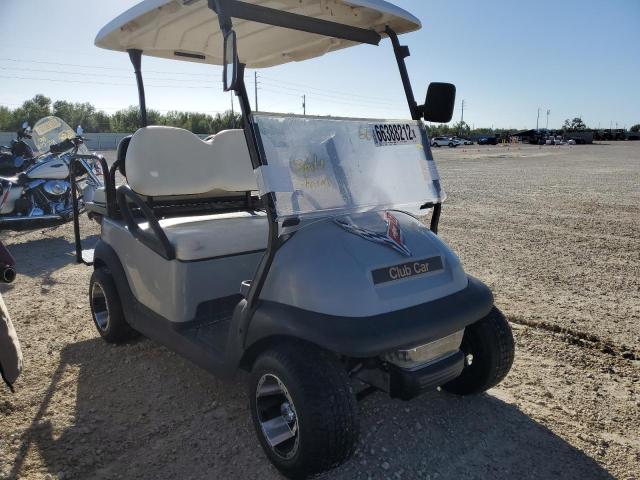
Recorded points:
(402, 52)
(435, 217)
(135, 56)
(221, 7)
(257, 160)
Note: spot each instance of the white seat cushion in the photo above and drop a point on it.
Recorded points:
(168, 161)
(209, 236)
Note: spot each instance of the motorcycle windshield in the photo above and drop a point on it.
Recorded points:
(330, 166)
(51, 130)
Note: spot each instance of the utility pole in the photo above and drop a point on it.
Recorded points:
(548, 112)
(462, 116)
(304, 105)
(538, 120)
(255, 79)
(232, 109)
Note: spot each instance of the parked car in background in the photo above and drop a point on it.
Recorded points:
(444, 142)
(462, 141)
(487, 141)
(555, 141)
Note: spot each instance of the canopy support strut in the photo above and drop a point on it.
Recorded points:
(293, 21)
(401, 53)
(135, 56)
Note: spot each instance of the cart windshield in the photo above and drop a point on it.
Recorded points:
(329, 166)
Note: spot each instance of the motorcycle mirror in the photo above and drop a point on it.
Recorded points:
(79, 130)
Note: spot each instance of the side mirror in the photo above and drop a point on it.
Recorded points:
(24, 131)
(79, 130)
(230, 62)
(441, 98)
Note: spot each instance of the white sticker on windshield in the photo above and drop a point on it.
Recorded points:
(46, 125)
(386, 134)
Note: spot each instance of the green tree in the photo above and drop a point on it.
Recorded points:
(635, 128)
(228, 120)
(6, 118)
(461, 129)
(31, 111)
(102, 122)
(76, 114)
(128, 119)
(575, 124)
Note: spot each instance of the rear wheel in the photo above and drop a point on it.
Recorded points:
(106, 308)
(451, 145)
(303, 409)
(489, 349)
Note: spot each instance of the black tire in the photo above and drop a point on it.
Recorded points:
(490, 342)
(317, 391)
(104, 298)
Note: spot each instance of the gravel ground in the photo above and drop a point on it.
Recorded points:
(554, 231)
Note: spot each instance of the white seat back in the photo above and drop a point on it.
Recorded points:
(168, 161)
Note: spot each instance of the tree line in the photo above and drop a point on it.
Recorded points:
(127, 119)
(464, 130)
(124, 120)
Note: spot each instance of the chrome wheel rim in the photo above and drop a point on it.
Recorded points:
(277, 416)
(99, 307)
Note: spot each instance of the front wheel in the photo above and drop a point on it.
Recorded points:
(489, 349)
(303, 409)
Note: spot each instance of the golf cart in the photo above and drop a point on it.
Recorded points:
(292, 248)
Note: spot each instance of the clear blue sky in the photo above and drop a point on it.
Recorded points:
(507, 58)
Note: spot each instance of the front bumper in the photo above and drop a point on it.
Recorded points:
(407, 384)
(368, 337)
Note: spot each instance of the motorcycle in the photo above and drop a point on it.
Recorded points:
(18, 156)
(43, 191)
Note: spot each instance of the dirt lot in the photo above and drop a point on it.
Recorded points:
(554, 231)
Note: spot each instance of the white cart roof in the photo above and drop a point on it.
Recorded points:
(189, 30)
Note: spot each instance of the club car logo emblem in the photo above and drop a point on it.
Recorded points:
(392, 237)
